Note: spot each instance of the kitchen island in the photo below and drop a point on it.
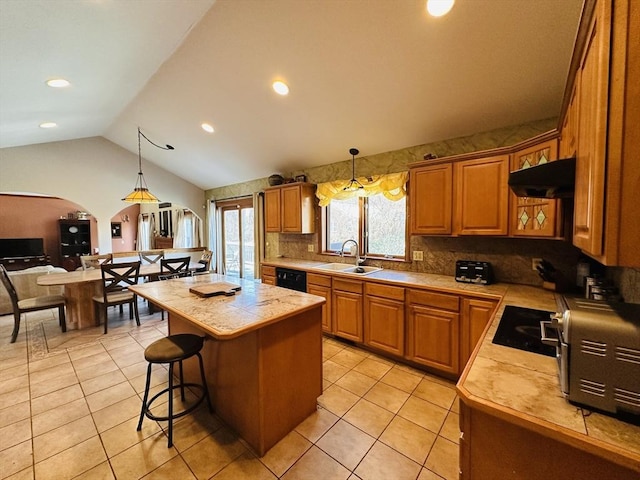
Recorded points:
(263, 354)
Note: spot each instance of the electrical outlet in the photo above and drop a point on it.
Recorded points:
(418, 255)
(534, 263)
(310, 248)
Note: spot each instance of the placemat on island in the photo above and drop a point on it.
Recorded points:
(215, 288)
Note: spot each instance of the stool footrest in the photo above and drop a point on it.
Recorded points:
(191, 408)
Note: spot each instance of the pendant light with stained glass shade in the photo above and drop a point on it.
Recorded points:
(141, 193)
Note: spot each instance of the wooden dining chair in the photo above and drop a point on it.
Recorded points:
(30, 304)
(174, 265)
(90, 262)
(205, 261)
(116, 279)
(149, 257)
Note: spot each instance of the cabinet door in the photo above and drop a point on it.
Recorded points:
(384, 324)
(269, 280)
(592, 129)
(323, 291)
(347, 315)
(476, 314)
(481, 196)
(569, 133)
(291, 209)
(533, 217)
(432, 338)
(272, 210)
(431, 199)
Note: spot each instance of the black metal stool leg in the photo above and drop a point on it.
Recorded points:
(204, 383)
(181, 383)
(146, 396)
(171, 404)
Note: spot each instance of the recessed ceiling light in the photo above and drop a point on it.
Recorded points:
(48, 125)
(281, 88)
(438, 8)
(58, 83)
(207, 128)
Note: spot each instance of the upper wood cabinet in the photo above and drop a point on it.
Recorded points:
(431, 199)
(569, 131)
(481, 197)
(606, 88)
(290, 208)
(533, 217)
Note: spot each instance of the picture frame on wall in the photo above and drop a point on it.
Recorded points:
(116, 230)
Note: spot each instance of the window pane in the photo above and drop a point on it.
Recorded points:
(231, 242)
(386, 226)
(342, 223)
(247, 243)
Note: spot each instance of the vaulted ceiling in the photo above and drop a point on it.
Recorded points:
(378, 75)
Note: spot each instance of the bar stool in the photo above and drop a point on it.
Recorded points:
(172, 349)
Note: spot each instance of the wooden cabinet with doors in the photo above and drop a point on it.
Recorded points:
(534, 217)
(481, 196)
(74, 241)
(384, 318)
(433, 328)
(569, 130)
(321, 285)
(607, 82)
(269, 275)
(431, 199)
(475, 315)
(347, 307)
(290, 208)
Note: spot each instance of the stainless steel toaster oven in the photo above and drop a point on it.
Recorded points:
(598, 351)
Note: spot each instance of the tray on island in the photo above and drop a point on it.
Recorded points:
(215, 288)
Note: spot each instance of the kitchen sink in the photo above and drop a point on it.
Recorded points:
(347, 268)
(361, 270)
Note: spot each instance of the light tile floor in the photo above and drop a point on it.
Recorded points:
(69, 405)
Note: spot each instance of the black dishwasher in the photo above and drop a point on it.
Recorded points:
(293, 279)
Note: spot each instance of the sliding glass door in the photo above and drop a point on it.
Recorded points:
(237, 237)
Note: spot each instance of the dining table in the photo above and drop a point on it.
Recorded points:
(80, 286)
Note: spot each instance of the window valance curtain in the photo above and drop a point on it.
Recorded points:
(393, 186)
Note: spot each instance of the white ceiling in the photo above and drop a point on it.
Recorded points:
(378, 75)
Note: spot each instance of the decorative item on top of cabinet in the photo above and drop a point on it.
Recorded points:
(289, 208)
(321, 285)
(268, 275)
(74, 241)
(384, 318)
(433, 328)
(534, 217)
(347, 309)
(481, 196)
(431, 199)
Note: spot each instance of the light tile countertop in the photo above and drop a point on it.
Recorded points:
(518, 386)
(225, 317)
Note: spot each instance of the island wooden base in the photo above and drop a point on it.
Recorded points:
(265, 382)
(492, 448)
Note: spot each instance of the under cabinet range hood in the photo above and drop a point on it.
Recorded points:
(549, 180)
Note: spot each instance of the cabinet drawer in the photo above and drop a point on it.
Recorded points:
(315, 279)
(384, 291)
(433, 299)
(347, 285)
(268, 270)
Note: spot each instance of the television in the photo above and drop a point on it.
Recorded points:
(21, 247)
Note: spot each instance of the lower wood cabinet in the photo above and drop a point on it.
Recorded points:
(384, 318)
(433, 335)
(269, 275)
(321, 285)
(347, 307)
(475, 315)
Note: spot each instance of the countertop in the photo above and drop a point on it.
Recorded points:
(518, 386)
(226, 317)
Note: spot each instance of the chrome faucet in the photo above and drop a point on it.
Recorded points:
(358, 259)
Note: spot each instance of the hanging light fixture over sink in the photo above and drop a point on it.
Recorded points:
(141, 193)
(354, 185)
